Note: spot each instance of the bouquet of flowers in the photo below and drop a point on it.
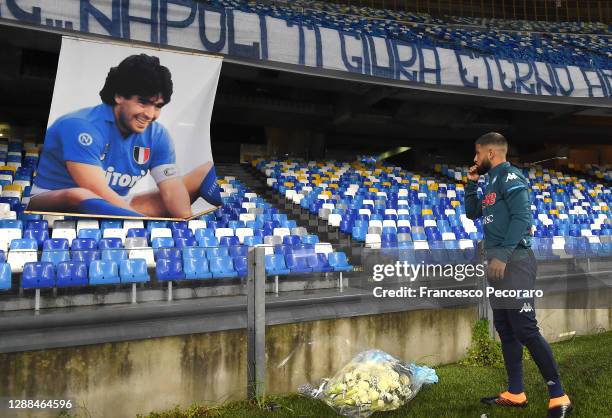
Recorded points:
(372, 381)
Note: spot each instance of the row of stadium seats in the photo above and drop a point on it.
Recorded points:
(562, 205)
(380, 206)
(556, 43)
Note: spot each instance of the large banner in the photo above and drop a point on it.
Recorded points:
(128, 134)
(208, 26)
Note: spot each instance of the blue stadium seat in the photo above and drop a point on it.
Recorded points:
(222, 267)
(241, 265)
(104, 272)
(133, 271)
(310, 239)
(137, 232)
(162, 242)
(24, 244)
(338, 261)
(37, 224)
(156, 224)
(95, 234)
(111, 224)
(11, 223)
(194, 252)
(196, 268)
(175, 225)
(252, 241)
(291, 239)
(38, 275)
(200, 233)
(185, 242)
(214, 252)
(109, 243)
(168, 253)
(227, 241)
(86, 256)
(238, 251)
(114, 254)
(318, 263)
(169, 269)
(55, 256)
(56, 244)
(182, 233)
(297, 263)
(208, 242)
(275, 265)
(5, 276)
(84, 244)
(72, 273)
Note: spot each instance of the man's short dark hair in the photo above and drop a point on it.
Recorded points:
(492, 138)
(141, 75)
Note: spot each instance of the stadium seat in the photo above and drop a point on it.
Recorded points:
(318, 263)
(238, 251)
(37, 275)
(84, 244)
(297, 263)
(252, 241)
(241, 265)
(55, 256)
(222, 267)
(338, 261)
(162, 242)
(67, 233)
(5, 276)
(133, 271)
(275, 265)
(160, 233)
(168, 253)
(136, 242)
(7, 235)
(196, 268)
(169, 269)
(214, 252)
(185, 242)
(227, 241)
(85, 256)
(71, 273)
(110, 243)
(118, 233)
(104, 272)
(114, 254)
(22, 251)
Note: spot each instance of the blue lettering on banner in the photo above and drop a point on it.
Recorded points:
(463, 70)
(164, 23)
(549, 86)
(127, 19)
(31, 17)
(601, 86)
(522, 79)
(215, 29)
(400, 64)
(502, 78)
(112, 25)
(212, 46)
(564, 91)
(357, 67)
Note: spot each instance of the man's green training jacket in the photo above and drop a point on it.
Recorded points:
(505, 210)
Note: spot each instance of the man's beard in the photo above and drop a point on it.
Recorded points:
(483, 168)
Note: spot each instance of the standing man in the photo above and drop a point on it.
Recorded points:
(506, 214)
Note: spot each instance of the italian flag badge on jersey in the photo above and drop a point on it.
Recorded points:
(142, 154)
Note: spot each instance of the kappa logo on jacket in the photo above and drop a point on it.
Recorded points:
(511, 176)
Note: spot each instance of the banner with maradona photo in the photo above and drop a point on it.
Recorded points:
(128, 134)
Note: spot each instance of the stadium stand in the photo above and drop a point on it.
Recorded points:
(91, 252)
(584, 44)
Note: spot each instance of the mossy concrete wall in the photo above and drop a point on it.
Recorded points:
(126, 378)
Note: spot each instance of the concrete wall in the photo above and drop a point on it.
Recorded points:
(127, 378)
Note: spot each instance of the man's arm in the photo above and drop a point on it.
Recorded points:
(473, 207)
(92, 177)
(516, 195)
(175, 197)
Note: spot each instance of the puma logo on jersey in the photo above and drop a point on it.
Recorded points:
(511, 176)
(526, 307)
(115, 178)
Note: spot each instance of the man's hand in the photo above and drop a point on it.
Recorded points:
(473, 173)
(497, 268)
